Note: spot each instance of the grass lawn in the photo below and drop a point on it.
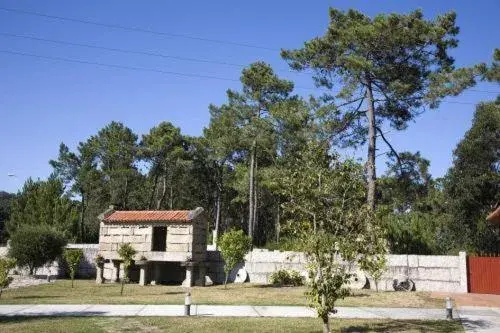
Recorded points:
(88, 292)
(207, 325)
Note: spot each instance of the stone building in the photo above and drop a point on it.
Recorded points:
(171, 245)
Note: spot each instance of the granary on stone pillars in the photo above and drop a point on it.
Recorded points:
(171, 245)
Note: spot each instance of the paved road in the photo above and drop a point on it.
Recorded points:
(474, 319)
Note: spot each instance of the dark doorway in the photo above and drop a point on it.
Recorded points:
(159, 239)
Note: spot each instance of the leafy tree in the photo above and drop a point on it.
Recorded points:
(472, 184)
(248, 120)
(36, 245)
(406, 182)
(392, 64)
(233, 245)
(78, 170)
(115, 150)
(72, 258)
(126, 253)
(325, 209)
(164, 149)
(6, 264)
(5, 209)
(43, 203)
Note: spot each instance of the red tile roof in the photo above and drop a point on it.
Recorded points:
(149, 216)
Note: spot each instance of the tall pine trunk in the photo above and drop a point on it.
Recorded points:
(370, 163)
(255, 201)
(251, 191)
(82, 218)
(153, 191)
(217, 218)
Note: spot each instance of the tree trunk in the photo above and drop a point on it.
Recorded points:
(255, 201)
(225, 280)
(370, 163)
(326, 325)
(153, 191)
(278, 226)
(171, 197)
(164, 189)
(82, 214)
(217, 218)
(251, 192)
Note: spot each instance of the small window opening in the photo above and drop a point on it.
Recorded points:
(159, 239)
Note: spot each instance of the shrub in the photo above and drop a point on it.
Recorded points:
(6, 264)
(72, 258)
(234, 245)
(284, 277)
(126, 253)
(36, 245)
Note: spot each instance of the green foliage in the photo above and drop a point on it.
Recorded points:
(233, 245)
(6, 264)
(394, 64)
(242, 133)
(472, 183)
(284, 277)
(72, 258)
(325, 208)
(43, 203)
(36, 245)
(126, 253)
(6, 200)
(285, 244)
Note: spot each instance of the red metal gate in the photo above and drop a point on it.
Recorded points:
(483, 275)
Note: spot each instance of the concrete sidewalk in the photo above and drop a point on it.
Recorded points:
(213, 311)
(474, 319)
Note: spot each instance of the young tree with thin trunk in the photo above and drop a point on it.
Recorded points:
(325, 209)
(126, 253)
(72, 258)
(234, 245)
(389, 67)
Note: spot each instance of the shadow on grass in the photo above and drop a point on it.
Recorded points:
(359, 295)
(36, 297)
(407, 325)
(273, 286)
(174, 293)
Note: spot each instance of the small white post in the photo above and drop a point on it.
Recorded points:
(187, 304)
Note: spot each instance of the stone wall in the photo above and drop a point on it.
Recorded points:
(86, 269)
(429, 273)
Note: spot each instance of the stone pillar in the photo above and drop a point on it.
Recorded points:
(188, 281)
(99, 279)
(143, 275)
(115, 277)
(462, 268)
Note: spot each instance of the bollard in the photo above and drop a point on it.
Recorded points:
(449, 308)
(187, 304)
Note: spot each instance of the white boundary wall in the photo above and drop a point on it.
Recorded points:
(429, 273)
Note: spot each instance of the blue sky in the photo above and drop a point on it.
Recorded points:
(44, 102)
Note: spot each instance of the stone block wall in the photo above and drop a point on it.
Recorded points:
(111, 237)
(183, 240)
(429, 273)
